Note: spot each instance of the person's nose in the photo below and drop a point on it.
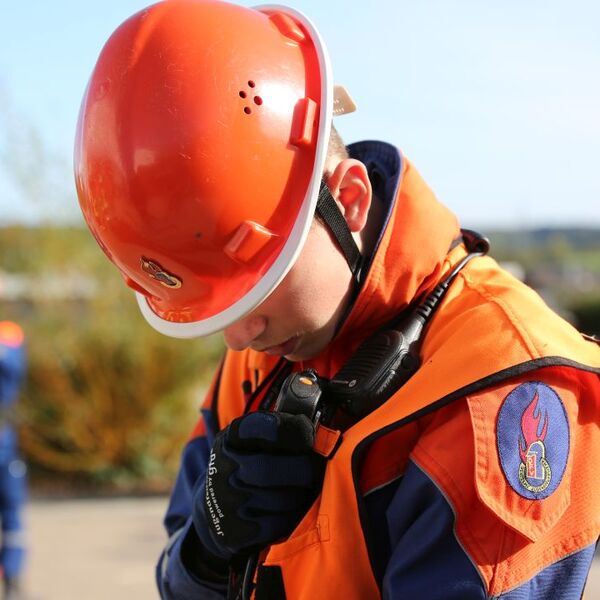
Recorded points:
(242, 333)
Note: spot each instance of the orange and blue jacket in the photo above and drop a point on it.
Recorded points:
(477, 479)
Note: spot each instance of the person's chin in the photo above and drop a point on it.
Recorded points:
(296, 357)
(304, 351)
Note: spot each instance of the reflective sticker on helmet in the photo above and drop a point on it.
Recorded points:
(154, 270)
(533, 440)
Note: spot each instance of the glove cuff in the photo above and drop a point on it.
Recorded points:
(204, 563)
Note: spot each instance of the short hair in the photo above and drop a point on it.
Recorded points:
(336, 150)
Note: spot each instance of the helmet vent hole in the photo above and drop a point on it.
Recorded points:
(246, 94)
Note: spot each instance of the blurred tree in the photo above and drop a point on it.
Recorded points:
(108, 401)
(557, 250)
(35, 180)
(587, 314)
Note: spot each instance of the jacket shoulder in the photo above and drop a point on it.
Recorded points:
(517, 315)
(510, 460)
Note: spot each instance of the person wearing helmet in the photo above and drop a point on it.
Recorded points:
(395, 415)
(12, 468)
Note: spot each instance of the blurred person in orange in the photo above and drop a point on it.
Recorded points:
(12, 468)
(395, 416)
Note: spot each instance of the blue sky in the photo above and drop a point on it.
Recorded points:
(497, 103)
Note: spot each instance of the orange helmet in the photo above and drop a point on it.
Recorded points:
(200, 148)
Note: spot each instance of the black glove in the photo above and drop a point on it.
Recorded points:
(261, 479)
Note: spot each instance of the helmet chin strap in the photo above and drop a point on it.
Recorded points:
(330, 214)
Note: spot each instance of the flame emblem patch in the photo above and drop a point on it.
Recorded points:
(154, 270)
(533, 440)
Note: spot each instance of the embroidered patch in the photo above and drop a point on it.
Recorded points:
(533, 439)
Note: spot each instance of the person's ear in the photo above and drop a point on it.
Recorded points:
(349, 184)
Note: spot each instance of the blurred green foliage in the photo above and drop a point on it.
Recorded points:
(577, 248)
(587, 314)
(563, 264)
(108, 401)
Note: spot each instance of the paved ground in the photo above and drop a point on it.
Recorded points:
(94, 549)
(106, 550)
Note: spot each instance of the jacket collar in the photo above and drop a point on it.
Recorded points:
(409, 256)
